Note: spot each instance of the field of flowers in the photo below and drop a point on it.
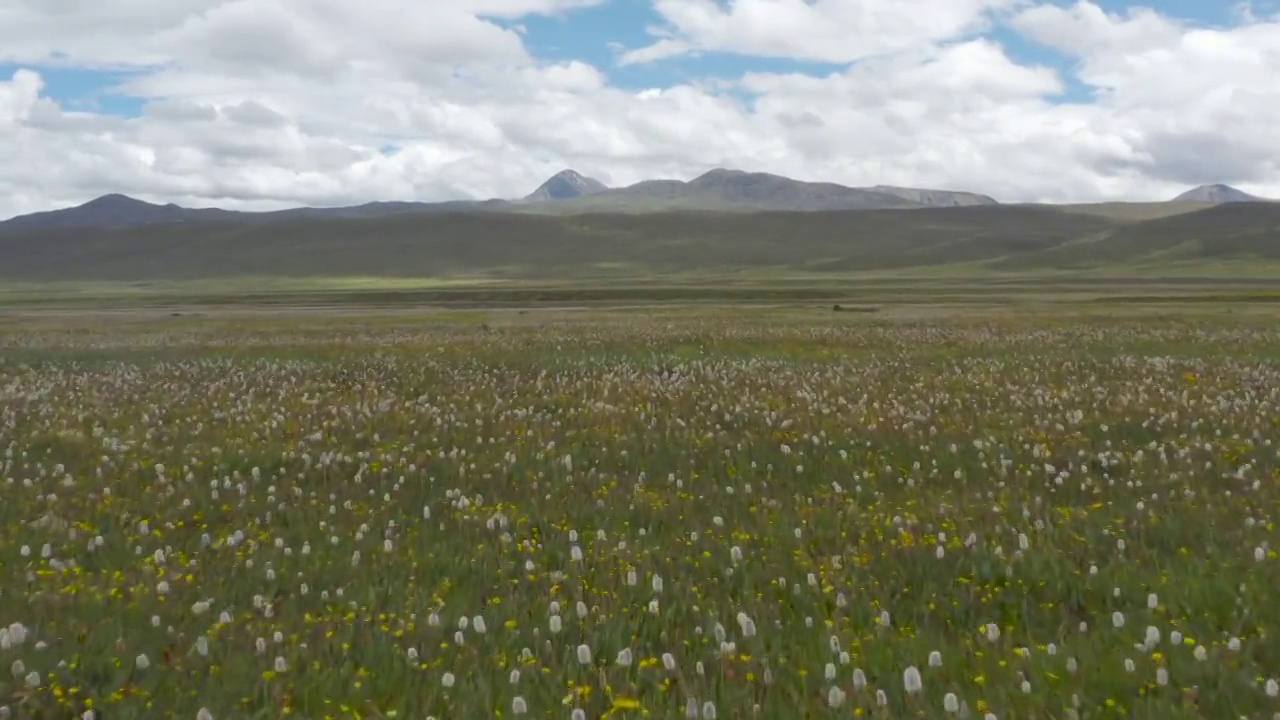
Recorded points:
(697, 517)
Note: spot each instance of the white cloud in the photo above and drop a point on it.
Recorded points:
(835, 31)
(266, 103)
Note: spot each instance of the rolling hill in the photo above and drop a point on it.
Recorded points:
(540, 246)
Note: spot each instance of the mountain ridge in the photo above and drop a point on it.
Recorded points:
(569, 192)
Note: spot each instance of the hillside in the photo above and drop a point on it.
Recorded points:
(1233, 231)
(545, 246)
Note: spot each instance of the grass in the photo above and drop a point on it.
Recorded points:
(771, 514)
(443, 250)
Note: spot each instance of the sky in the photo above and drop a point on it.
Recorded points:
(262, 104)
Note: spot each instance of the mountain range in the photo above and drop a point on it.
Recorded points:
(574, 226)
(568, 193)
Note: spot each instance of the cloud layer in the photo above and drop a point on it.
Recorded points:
(266, 103)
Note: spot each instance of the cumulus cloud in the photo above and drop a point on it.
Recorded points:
(264, 103)
(836, 31)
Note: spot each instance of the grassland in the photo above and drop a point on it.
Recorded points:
(453, 247)
(930, 511)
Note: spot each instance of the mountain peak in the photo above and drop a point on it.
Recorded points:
(116, 200)
(565, 185)
(1216, 193)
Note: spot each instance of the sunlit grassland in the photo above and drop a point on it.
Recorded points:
(681, 512)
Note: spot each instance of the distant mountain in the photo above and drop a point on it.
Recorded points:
(120, 211)
(1217, 194)
(566, 185)
(567, 192)
(571, 193)
(735, 190)
(107, 211)
(936, 198)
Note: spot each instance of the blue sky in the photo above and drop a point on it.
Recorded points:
(1180, 108)
(594, 35)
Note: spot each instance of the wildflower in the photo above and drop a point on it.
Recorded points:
(911, 680)
(835, 696)
(935, 659)
(584, 654)
(951, 703)
(1117, 619)
(518, 706)
(447, 680)
(624, 657)
(859, 679)
(142, 662)
(204, 714)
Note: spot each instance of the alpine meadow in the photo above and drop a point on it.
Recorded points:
(696, 514)
(640, 360)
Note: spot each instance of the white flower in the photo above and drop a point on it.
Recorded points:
(1200, 653)
(555, 624)
(584, 654)
(859, 679)
(1273, 688)
(951, 703)
(911, 680)
(993, 632)
(624, 657)
(518, 706)
(478, 624)
(447, 680)
(935, 659)
(280, 665)
(578, 714)
(1153, 636)
(835, 696)
(204, 714)
(142, 662)
(1162, 677)
(708, 710)
(669, 662)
